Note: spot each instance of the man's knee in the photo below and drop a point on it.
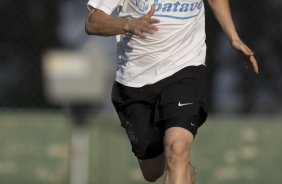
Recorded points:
(152, 177)
(152, 169)
(177, 146)
(177, 152)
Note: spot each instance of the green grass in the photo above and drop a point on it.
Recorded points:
(35, 149)
(242, 150)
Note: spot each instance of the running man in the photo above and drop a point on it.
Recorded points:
(160, 88)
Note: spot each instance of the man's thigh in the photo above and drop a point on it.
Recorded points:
(137, 113)
(183, 103)
(146, 140)
(178, 135)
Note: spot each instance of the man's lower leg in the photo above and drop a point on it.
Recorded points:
(177, 146)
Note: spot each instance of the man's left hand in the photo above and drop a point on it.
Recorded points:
(248, 54)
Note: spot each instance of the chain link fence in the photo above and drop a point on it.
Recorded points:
(30, 28)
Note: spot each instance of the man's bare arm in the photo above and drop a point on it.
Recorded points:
(100, 23)
(221, 10)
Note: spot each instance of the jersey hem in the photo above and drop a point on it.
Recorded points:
(138, 85)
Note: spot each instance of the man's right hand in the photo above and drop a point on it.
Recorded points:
(144, 24)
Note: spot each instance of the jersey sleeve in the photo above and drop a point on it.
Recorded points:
(108, 6)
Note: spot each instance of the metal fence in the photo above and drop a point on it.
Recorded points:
(30, 28)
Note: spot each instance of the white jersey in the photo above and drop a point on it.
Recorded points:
(179, 42)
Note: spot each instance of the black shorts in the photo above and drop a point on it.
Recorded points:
(147, 112)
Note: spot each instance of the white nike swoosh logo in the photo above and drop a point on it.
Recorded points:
(183, 104)
(193, 124)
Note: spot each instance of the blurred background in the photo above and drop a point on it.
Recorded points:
(57, 125)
